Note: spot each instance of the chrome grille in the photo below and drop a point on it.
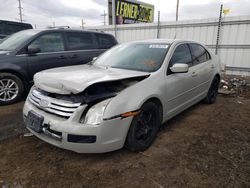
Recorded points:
(52, 105)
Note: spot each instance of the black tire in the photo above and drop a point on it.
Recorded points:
(19, 88)
(213, 91)
(144, 128)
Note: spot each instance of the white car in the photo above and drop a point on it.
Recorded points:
(122, 97)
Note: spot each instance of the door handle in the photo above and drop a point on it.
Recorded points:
(194, 74)
(212, 66)
(73, 56)
(62, 57)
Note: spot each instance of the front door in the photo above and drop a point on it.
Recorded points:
(180, 87)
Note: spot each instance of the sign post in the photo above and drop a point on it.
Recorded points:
(113, 12)
(177, 11)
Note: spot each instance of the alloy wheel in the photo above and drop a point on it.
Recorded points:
(145, 124)
(214, 89)
(8, 89)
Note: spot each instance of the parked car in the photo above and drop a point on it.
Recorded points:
(27, 52)
(123, 97)
(10, 27)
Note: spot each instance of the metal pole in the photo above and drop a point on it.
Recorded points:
(113, 12)
(114, 17)
(104, 17)
(218, 32)
(20, 10)
(83, 24)
(158, 25)
(177, 10)
(115, 30)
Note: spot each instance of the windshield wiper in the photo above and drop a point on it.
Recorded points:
(126, 68)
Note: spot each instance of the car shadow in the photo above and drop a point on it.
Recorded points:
(12, 123)
(165, 127)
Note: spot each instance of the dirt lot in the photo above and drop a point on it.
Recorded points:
(206, 146)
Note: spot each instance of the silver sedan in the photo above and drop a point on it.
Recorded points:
(122, 97)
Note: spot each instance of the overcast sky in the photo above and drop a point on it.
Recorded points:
(43, 13)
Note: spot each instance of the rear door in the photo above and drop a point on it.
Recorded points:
(202, 66)
(52, 53)
(82, 47)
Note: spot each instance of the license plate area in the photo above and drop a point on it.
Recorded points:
(35, 121)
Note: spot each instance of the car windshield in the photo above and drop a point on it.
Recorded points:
(13, 41)
(146, 57)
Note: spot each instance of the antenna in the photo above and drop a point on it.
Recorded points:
(20, 10)
(104, 17)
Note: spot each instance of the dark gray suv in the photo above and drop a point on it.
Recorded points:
(27, 52)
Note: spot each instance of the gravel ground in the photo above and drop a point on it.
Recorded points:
(206, 146)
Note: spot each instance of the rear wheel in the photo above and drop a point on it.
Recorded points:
(144, 128)
(11, 88)
(213, 91)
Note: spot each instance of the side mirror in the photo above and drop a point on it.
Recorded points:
(179, 68)
(33, 49)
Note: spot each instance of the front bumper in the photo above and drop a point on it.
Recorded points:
(110, 134)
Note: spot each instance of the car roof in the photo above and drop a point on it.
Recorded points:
(69, 30)
(161, 41)
(167, 41)
(16, 23)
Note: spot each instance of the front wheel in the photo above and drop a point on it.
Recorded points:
(213, 91)
(144, 128)
(11, 88)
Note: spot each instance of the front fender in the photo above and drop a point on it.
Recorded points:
(14, 69)
(133, 97)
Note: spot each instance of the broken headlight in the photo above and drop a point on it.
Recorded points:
(94, 115)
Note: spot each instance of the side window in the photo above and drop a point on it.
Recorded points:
(51, 42)
(105, 41)
(181, 55)
(80, 41)
(199, 53)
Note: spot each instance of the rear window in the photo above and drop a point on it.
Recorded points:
(105, 41)
(80, 41)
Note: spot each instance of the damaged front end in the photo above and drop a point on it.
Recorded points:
(90, 104)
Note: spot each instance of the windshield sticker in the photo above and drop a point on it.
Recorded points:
(158, 46)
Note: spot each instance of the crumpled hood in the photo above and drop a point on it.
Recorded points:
(75, 79)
